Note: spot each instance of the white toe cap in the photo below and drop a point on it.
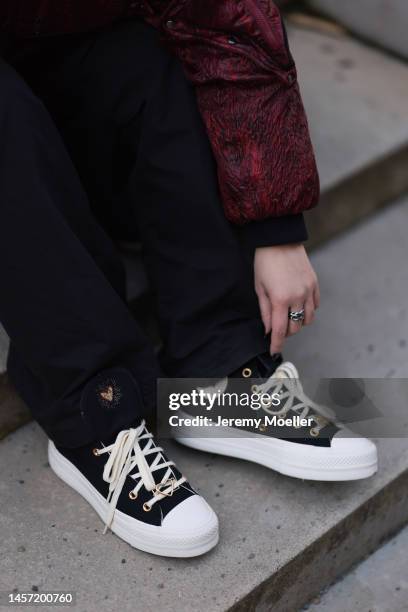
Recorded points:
(348, 443)
(191, 516)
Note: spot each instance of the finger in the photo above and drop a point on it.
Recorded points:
(309, 311)
(265, 308)
(316, 296)
(279, 322)
(295, 326)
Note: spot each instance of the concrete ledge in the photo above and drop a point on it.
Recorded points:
(4, 343)
(355, 99)
(349, 202)
(331, 556)
(382, 22)
(378, 583)
(13, 412)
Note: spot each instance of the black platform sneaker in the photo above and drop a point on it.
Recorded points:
(310, 447)
(128, 480)
(139, 494)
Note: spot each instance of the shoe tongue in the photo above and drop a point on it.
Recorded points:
(287, 370)
(157, 474)
(107, 441)
(261, 366)
(267, 364)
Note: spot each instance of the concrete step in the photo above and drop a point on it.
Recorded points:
(13, 412)
(355, 97)
(379, 583)
(384, 23)
(3, 349)
(283, 540)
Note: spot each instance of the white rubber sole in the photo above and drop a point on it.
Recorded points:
(148, 538)
(297, 460)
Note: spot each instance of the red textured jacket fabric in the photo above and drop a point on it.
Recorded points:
(236, 54)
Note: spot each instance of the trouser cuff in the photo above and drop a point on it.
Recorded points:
(110, 401)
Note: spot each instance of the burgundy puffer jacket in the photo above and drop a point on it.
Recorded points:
(236, 54)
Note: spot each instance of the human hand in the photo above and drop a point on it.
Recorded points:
(285, 281)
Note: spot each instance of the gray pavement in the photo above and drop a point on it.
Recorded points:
(382, 22)
(356, 101)
(3, 349)
(355, 97)
(282, 540)
(379, 584)
(362, 327)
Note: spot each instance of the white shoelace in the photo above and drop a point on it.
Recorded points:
(126, 455)
(285, 382)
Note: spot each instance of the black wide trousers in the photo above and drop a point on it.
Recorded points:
(101, 139)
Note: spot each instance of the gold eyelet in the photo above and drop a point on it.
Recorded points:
(246, 372)
(262, 428)
(95, 451)
(146, 507)
(132, 495)
(254, 388)
(314, 432)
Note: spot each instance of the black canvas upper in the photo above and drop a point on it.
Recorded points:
(91, 466)
(110, 398)
(262, 367)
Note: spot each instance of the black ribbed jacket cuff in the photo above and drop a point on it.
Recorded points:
(274, 231)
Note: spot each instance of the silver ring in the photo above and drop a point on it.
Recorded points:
(297, 315)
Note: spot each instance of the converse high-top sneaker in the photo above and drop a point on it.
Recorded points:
(139, 493)
(321, 450)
